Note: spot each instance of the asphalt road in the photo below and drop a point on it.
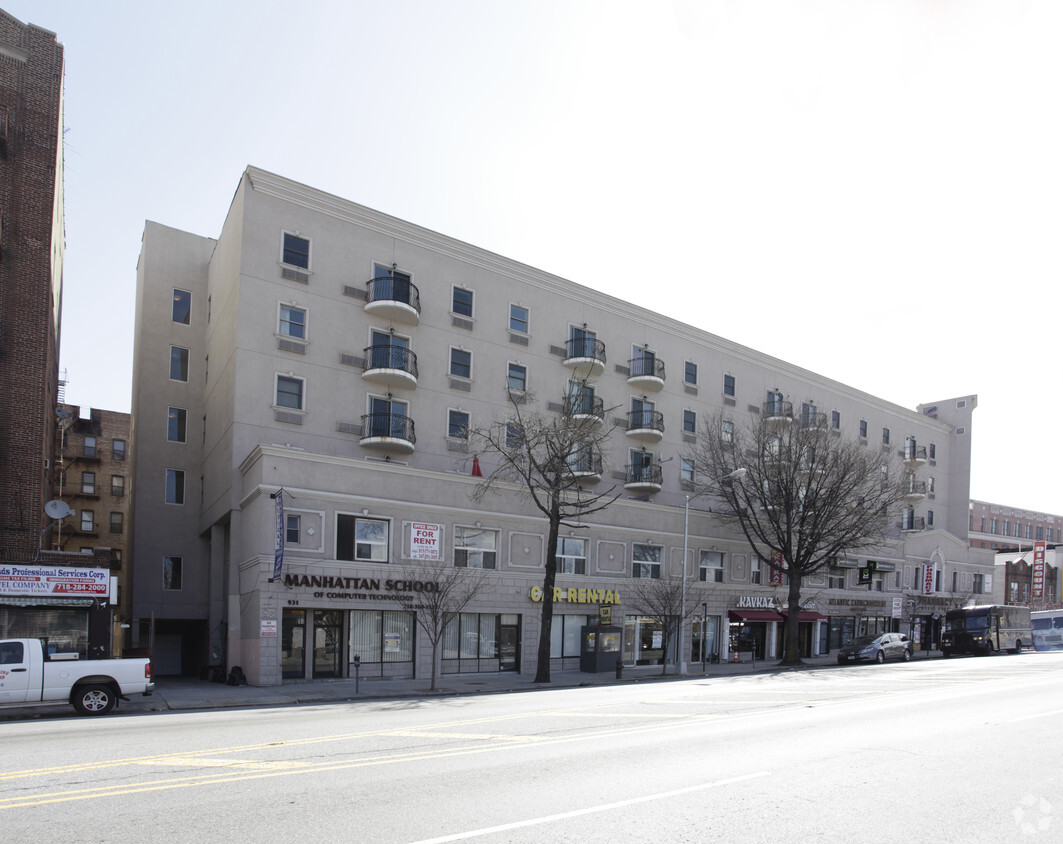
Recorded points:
(946, 750)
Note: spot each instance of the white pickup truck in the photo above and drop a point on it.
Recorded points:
(29, 675)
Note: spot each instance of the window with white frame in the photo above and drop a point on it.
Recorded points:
(754, 568)
(518, 319)
(835, 578)
(88, 521)
(863, 429)
(178, 364)
(457, 424)
(172, 572)
(728, 385)
(690, 373)
(461, 363)
(690, 422)
(116, 522)
(361, 539)
(175, 486)
(292, 322)
(176, 419)
(517, 377)
(88, 483)
(571, 555)
(646, 561)
(118, 449)
(88, 447)
(475, 548)
(727, 432)
(181, 313)
(296, 251)
(711, 567)
(835, 420)
(978, 587)
(290, 392)
(461, 302)
(686, 470)
(292, 528)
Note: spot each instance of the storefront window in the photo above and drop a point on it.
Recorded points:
(67, 630)
(378, 636)
(565, 633)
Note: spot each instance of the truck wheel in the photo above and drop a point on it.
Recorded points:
(94, 700)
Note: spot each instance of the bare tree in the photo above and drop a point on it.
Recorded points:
(662, 599)
(807, 497)
(446, 590)
(551, 457)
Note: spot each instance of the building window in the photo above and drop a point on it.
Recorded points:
(292, 529)
(88, 447)
(457, 424)
(178, 364)
(182, 307)
(712, 567)
(292, 322)
(863, 429)
(727, 431)
(118, 486)
(461, 303)
(296, 251)
(646, 561)
(118, 449)
(88, 521)
(929, 518)
(571, 555)
(381, 636)
(475, 548)
(518, 319)
(175, 486)
(932, 451)
(836, 578)
(754, 569)
(289, 392)
(978, 587)
(460, 363)
(835, 420)
(116, 559)
(116, 522)
(955, 580)
(686, 470)
(514, 436)
(171, 572)
(565, 634)
(728, 385)
(1029, 531)
(361, 539)
(690, 373)
(517, 378)
(88, 483)
(1040, 534)
(690, 422)
(175, 424)
(992, 525)
(885, 436)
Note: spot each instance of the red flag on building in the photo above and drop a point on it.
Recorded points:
(476, 473)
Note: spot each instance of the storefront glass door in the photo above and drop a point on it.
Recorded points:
(644, 642)
(328, 643)
(293, 644)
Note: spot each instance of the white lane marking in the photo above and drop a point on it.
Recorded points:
(475, 833)
(1035, 715)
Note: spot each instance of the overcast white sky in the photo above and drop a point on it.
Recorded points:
(870, 190)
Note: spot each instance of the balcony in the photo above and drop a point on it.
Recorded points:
(645, 425)
(912, 524)
(393, 297)
(643, 478)
(778, 411)
(391, 432)
(914, 490)
(395, 366)
(585, 356)
(813, 421)
(647, 373)
(591, 408)
(914, 455)
(587, 467)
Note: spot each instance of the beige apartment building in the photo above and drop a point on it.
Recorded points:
(335, 355)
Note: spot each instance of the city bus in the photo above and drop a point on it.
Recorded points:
(1047, 629)
(986, 629)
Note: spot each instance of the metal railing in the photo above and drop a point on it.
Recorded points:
(641, 420)
(391, 357)
(390, 288)
(585, 347)
(394, 425)
(646, 366)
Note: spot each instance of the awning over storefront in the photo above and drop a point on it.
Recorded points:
(809, 615)
(44, 601)
(754, 615)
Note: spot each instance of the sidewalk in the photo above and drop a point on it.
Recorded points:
(184, 693)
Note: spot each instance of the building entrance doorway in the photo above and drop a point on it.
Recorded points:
(328, 643)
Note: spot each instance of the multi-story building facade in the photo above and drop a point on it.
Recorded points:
(337, 356)
(92, 478)
(998, 526)
(31, 277)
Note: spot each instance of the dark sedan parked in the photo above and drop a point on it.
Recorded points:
(878, 648)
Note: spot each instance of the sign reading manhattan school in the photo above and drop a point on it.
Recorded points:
(54, 580)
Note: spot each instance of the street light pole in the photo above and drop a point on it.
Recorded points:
(737, 473)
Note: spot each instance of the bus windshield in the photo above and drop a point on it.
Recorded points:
(965, 623)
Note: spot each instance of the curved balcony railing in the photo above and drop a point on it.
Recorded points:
(390, 288)
(915, 453)
(645, 420)
(585, 347)
(391, 357)
(778, 409)
(911, 523)
(647, 474)
(586, 464)
(391, 425)
(646, 367)
(914, 489)
(584, 406)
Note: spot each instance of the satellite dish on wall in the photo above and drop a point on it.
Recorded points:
(57, 509)
(62, 414)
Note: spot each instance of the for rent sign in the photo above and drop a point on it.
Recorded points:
(53, 580)
(425, 541)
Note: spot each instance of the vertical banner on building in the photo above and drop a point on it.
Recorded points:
(929, 570)
(1038, 591)
(777, 566)
(278, 547)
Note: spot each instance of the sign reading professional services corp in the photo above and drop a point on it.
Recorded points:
(53, 580)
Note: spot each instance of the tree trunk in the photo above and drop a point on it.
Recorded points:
(542, 668)
(435, 661)
(792, 638)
